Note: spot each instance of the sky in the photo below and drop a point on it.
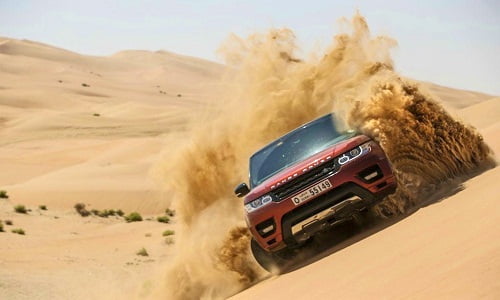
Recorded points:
(454, 43)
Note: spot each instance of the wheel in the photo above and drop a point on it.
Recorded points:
(272, 262)
(364, 219)
(359, 220)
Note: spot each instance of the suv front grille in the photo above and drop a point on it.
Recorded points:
(308, 178)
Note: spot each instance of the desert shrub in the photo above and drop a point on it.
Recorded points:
(103, 213)
(3, 194)
(20, 209)
(18, 231)
(168, 232)
(170, 212)
(142, 252)
(80, 208)
(85, 85)
(42, 207)
(147, 234)
(96, 115)
(133, 217)
(8, 222)
(1, 226)
(94, 211)
(120, 212)
(169, 240)
(108, 212)
(163, 219)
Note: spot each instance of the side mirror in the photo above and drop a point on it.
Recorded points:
(241, 190)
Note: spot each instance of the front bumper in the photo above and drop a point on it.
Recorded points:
(326, 211)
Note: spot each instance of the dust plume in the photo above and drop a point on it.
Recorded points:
(270, 91)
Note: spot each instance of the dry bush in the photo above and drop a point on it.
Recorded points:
(18, 231)
(163, 219)
(168, 232)
(170, 212)
(20, 209)
(133, 217)
(80, 208)
(142, 252)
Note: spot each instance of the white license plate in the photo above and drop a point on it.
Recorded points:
(313, 191)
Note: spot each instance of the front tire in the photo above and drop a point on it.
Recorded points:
(270, 261)
(359, 219)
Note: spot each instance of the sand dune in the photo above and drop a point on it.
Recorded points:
(455, 99)
(62, 142)
(54, 129)
(483, 114)
(77, 128)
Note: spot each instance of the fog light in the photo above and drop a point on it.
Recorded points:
(371, 176)
(268, 229)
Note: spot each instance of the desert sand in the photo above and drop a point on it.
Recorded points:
(62, 143)
(76, 128)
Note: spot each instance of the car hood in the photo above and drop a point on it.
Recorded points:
(304, 166)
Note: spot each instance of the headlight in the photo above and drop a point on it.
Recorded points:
(258, 203)
(354, 153)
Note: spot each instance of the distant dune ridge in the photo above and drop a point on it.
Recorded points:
(142, 130)
(139, 96)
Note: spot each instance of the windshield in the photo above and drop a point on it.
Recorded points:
(294, 147)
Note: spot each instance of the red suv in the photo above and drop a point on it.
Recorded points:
(309, 180)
